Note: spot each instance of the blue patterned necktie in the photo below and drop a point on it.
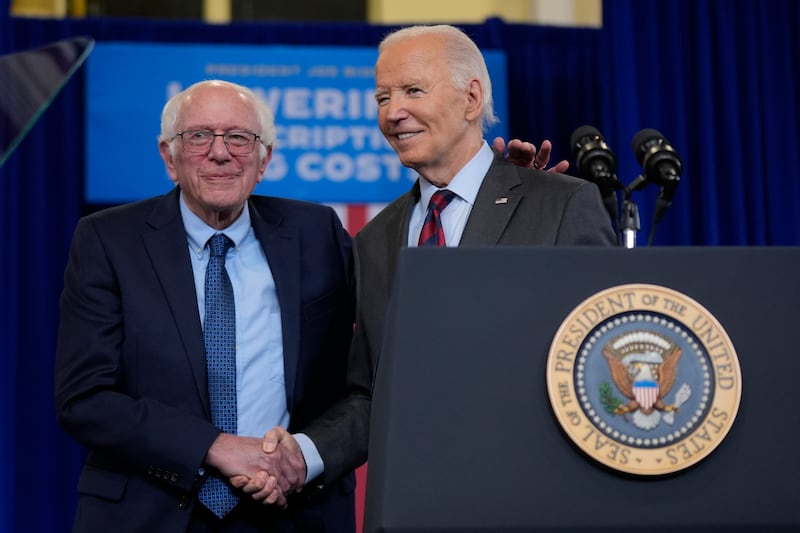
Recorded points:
(219, 335)
(432, 233)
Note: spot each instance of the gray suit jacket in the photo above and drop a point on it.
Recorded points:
(534, 208)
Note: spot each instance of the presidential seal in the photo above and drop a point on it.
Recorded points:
(643, 379)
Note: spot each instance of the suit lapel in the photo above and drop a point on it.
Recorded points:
(166, 245)
(397, 226)
(282, 248)
(494, 206)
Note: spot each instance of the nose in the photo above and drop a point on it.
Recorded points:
(218, 149)
(395, 109)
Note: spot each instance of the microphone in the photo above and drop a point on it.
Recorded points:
(661, 165)
(597, 163)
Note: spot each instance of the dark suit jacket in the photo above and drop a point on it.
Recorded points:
(534, 208)
(130, 373)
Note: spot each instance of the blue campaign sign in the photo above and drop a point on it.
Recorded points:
(328, 148)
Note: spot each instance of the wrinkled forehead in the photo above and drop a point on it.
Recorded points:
(411, 59)
(419, 49)
(216, 107)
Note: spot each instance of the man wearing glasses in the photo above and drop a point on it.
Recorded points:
(192, 323)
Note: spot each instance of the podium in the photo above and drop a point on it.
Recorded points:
(463, 434)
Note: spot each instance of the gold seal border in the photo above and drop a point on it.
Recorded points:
(706, 435)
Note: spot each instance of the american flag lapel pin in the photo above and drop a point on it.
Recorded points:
(501, 200)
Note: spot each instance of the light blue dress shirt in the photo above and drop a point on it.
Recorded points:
(260, 387)
(454, 217)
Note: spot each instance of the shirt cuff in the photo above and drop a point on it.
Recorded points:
(314, 464)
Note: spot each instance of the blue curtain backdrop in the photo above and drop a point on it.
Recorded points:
(719, 79)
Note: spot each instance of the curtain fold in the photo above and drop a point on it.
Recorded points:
(719, 79)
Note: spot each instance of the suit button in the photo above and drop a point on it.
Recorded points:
(174, 477)
(183, 503)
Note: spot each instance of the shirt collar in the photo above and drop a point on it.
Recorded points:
(198, 232)
(466, 182)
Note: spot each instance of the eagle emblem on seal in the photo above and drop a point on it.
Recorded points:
(643, 367)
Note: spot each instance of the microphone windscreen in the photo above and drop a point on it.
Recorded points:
(580, 133)
(643, 140)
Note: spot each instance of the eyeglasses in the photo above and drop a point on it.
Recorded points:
(200, 141)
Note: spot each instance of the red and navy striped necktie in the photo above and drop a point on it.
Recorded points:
(432, 233)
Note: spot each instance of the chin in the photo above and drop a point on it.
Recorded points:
(407, 159)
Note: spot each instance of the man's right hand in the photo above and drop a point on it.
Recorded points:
(275, 474)
(524, 154)
(271, 486)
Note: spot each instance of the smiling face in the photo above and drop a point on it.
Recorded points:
(432, 125)
(215, 185)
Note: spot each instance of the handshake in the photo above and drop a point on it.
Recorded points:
(268, 469)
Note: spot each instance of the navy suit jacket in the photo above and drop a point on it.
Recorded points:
(130, 373)
(515, 206)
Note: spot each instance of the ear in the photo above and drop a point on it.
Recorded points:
(169, 161)
(474, 96)
(262, 167)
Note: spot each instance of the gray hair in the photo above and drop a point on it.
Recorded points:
(266, 120)
(465, 59)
